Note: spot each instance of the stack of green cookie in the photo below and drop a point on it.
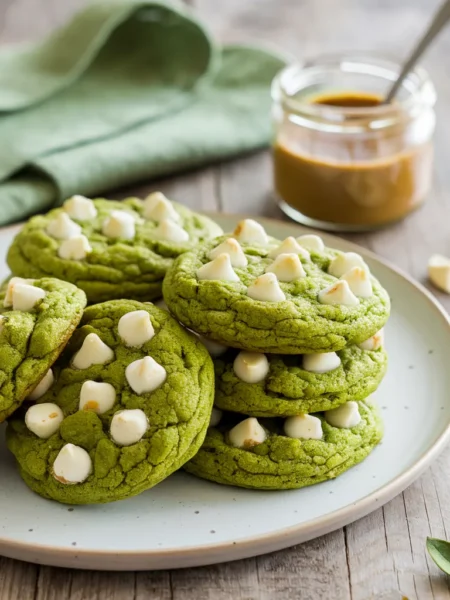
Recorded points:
(296, 330)
(129, 399)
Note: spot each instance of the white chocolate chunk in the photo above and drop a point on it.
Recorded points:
(128, 426)
(344, 416)
(303, 427)
(92, 352)
(286, 267)
(42, 387)
(72, 465)
(338, 293)
(80, 208)
(26, 296)
(62, 227)
(290, 246)
(214, 348)
(8, 301)
(135, 328)
(234, 250)
(345, 261)
(158, 208)
(145, 375)
(251, 367)
(247, 433)
(266, 289)
(358, 280)
(76, 248)
(439, 272)
(169, 231)
(313, 243)
(374, 342)
(98, 397)
(119, 224)
(219, 269)
(250, 231)
(44, 419)
(216, 416)
(321, 363)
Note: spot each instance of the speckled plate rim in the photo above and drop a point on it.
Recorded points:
(206, 554)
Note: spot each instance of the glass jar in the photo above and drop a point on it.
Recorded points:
(342, 160)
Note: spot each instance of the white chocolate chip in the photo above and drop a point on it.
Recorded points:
(219, 269)
(76, 248)
(98, 397)
(338, 293)
(119, 224)
(80, 208)
(345, 261)
(344, 416)
(158, 208)
(92, 352)
(321, 363)
(247, 433)
(234, 250)
(44, 419)
(62, 227)
(42, 387)
(313, 243)
(216, 416)
(374, 342)
(303, 427)
(286, 267)
(214, 348)
(145, 375)
(290, 246)
(266, 289)
(439, 272)
(250, 231)
(358, 280)
(72, 465)
(251, 367)
(8, 301)
(135, 328)
(25, 296)
(128, 426)
(169, 231)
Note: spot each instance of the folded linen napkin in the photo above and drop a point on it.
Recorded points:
(128, 90)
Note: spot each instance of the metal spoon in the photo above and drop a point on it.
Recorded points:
(440, 19)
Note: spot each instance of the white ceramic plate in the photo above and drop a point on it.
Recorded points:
(187, 522)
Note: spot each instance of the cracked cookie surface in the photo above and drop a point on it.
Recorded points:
(31, 340)
(116, 267)
(281, 462)
(289, 390)
(178, 410)
(224, 312)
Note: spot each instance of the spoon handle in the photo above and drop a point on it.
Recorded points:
(440, 19)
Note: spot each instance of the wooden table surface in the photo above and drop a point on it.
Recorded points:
(382, 555)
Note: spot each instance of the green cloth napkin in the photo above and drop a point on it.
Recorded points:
(127, 90)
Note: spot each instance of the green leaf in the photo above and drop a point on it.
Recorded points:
(439, 551)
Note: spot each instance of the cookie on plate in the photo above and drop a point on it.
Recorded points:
(37, 318)
(130, 405)
(109, 249)
(276, 454)
(292, 297)
(270, 385)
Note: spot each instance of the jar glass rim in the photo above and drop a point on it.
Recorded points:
(292, 78)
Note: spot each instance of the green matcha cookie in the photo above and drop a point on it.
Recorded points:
(130, 405)
(37, 318)
(109, 249)
(284, 454)
(294, 297)
(273, 385)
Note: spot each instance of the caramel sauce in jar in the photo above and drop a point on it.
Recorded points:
(344, 161)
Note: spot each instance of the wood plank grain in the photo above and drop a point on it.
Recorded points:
(17, 579)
